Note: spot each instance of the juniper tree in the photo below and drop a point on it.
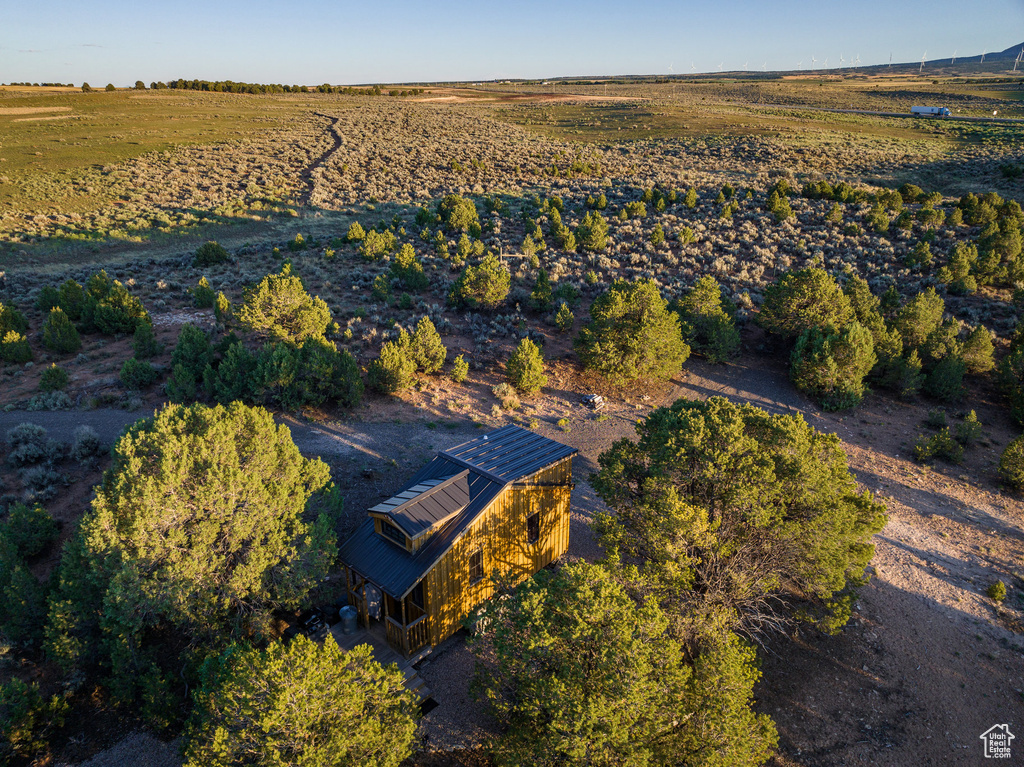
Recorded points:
(724, 506)
(199, 529)
(302, 703)
(802, 299)
(525, 368)
(631, 334)
(279, 308)
(578, 671)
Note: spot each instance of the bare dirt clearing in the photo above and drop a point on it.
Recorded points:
(31, 110)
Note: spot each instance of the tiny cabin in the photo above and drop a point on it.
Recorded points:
(494, 508)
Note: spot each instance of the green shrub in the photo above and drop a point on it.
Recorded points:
(299, 243)
(564, 318)
(540, 297)
(1011, 464)
(483, 286)
(969, 430)
(14, 348)
(356, 233)
(209, 254)
(109, 308)
(525, 368)
(144, 342)
(460, 369)
(804, 299)
(946, 380)
(997, 591)
(189, 360)
(426, 349)
(830, 365)
(72, 299)
(307, 376)
(48, 298)
(381, 288)
(457, 213)
(631, 334)
(30, 528)
(936, 419)
(53, 379)
(280, 308)
(27, 719)
(592, 233)
(977, 351)
(939, 445)
(394, 370)
(376, 245)
(408, 269)
(12, 320)
(919, 318)
(59, 333)
(706, 326)
(137, 374)
(234, 378)
(222, 308)
(203, 295)
(353, 710)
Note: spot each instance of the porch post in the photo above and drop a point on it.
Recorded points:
(405, 631)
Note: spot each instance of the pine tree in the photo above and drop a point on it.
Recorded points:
(60, 334)
(525, 368)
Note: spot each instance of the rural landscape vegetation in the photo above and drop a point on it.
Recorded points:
(235, 316)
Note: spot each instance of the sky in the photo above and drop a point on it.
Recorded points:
(311, 42)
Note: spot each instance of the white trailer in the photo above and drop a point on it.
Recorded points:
(931, 111)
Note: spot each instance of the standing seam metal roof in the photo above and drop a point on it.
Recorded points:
(494, 461)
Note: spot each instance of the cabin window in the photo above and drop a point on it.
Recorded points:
(533, 527)
(392, 532)
(476, 566)
(416, 595)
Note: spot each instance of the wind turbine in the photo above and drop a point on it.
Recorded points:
(856, 62)
(693, 67)
(764, 66)
(841, 61)
(953, 60)
(983, 56)
(800, 65)
(824, 64)
(813, 62)
(745, 65)
(890, 60)
(720, 65)
(921, 68)
(670, 70)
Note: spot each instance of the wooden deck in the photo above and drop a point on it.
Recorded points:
(375, 636)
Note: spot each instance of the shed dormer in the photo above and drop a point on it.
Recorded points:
(411, 517)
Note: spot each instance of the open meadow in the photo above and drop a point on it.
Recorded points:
(395, 208)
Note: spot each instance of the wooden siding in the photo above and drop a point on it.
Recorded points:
(500, 533)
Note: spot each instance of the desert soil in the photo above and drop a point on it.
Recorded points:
(926, 664)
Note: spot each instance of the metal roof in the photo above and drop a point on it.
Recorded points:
(509, 453)
(493, 461)
(426, 504)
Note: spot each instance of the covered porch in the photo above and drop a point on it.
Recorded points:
(405, 622)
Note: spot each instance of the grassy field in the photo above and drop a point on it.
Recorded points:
(84, 173)
(70, 132)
